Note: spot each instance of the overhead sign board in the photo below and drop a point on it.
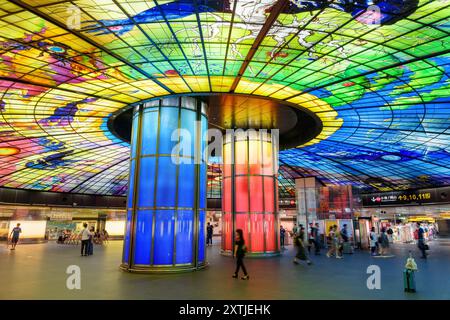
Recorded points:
(436, 195)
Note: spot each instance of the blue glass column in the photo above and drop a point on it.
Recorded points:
(167, 187)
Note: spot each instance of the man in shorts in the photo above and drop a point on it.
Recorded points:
(15, 233)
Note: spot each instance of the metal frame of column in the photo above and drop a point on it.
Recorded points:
(265, 253)
(130, 264)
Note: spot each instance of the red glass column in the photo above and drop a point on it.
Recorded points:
(250, 192)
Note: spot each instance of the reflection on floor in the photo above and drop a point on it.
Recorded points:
(39, 272)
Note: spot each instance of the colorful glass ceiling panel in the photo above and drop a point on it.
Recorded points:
(377, 77)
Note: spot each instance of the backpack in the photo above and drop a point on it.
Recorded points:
(344, 236)
(416, 234)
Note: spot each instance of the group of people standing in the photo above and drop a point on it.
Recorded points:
(87, 240)
(88, 237)
(379, 244)
(338, 240)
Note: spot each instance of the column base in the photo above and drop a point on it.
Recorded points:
(254, 254)
(162, 269)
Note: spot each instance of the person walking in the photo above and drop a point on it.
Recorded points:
(421, 241)
(282, 235)
(344, 233)
(105, 236)
(15, 233)
(310, 237)
(343, 240)
(209, 234)
(316, 237)
(390, 234)
(373, 237)
(92, 236)
(332, 250)
(384, 242)
(239, 253)
(85, 234)
(301, 251)
(295, 230)
(339, 243)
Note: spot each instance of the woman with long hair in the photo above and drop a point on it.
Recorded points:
(239, 253)
(334, 238)
(301, 251)
(373, 237)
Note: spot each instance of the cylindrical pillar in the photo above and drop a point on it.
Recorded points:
(166, 205)
(250, 192)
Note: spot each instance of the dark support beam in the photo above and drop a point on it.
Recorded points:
(274, 13)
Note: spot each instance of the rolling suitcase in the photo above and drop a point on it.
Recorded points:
(347, 248)
(409, 280)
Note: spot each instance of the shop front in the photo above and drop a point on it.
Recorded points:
(41, 224)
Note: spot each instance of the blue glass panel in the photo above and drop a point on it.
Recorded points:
(163, 246)
(201, 236)
(185, 235)
(169, 123)
(186, 185)
(146, 182)
(143, 238)
(188, 123)
(165, 195)
(204, 139)
(126, 243)
(131, 185)
(203, 182)
(149, 132)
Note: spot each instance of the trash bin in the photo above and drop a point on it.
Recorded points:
(409, 280)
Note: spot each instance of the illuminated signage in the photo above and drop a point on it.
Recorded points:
(414, 196)
(405, 197)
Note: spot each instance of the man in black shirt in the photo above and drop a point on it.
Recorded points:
(317, 242)
(209, 234)
(282, 235)
(421, 241)
(15, 233)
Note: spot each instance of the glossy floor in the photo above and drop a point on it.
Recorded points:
(39, 272)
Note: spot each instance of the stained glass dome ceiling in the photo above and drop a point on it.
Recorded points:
(377, 77)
